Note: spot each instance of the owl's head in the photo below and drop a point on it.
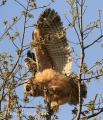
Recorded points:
(28, 88)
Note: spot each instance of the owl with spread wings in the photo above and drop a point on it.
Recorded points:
(51, 63)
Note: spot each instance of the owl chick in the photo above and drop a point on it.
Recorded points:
(62, 89)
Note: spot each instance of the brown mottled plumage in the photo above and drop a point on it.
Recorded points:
(30, 63)
(62, 89)
(53, 61)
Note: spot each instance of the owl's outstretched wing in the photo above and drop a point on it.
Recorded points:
(52, 48)
(30, 63)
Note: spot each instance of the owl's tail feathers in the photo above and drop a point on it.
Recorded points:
(74, 82)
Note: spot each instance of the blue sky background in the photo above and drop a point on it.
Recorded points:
(93, 54)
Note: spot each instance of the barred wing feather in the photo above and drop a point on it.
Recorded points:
(53, 50)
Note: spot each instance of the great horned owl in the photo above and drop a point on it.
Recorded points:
(54, 62)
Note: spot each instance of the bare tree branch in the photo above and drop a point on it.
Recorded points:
(95, 114)
(93, 42)
(20, 4)
(81, 62)
(47, 102)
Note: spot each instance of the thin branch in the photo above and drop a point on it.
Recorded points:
(28, 107)
(94, 104)
(42, 6)
(20, 4)
(93, 42)
(3, 2)
(77, 34)
(73, 42)
(15, 44)
(76, 62)
(77, 12)
(92, 66)
(93, 77)
(1, 5)
(29, 26)
(90, 28)
(95, 114)
(26, 48)
(47, 102)
(86, 34)
(100, 23)
(75, 31)
(81, 62)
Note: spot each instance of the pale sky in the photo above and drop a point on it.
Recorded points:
(93, 54)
